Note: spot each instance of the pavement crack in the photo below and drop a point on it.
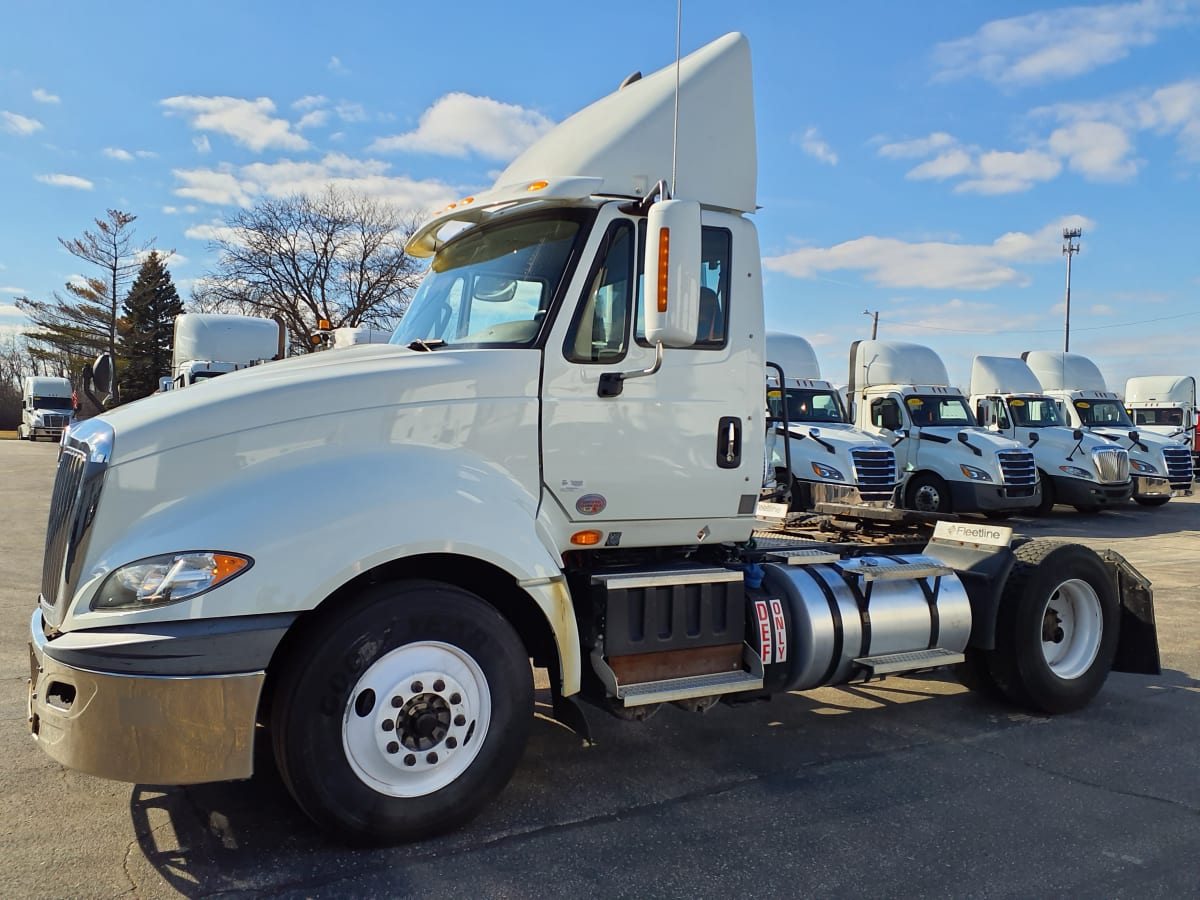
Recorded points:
(133, 886)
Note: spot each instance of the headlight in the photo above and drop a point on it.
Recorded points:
(975, 474)
(1144, 468)
(1075, 471)
(168, 579)
(828, 472)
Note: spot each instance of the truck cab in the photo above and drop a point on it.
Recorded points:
(47, 408)
(1076, 467)
(1166, 405)
(207, 345)
(901, 392)
(1161, 468)
(830, 460)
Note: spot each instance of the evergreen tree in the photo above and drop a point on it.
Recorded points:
(150, 310)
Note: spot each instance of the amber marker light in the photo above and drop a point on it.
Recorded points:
(226, 566)
(586, 538)
(664, 260)
(538, 186)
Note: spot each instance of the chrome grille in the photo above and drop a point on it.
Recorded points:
(1113, 465)
(1179, 466)
(53, 421)
(1017, 467)
(77, 485)
(875, 471)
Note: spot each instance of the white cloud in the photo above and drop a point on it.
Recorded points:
(212, 231)
(118, 153)
(171, 258)
(1097, 150)
(44, 96)
(950, 164)
(933, 265)
(248, 122)
(16, 292)
(918, 147)
(201, 144)
(1005, 172)
(336, 67)
(1102, 309)
(222, 188)
(314, 119)
(19, 125)
(67, 181)
(311, 101)
(175, 210)
(350, 112)
(145, 154)
(818, 149)
(460, 124)
(1061, 43)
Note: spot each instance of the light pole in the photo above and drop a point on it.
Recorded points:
(874, 322)
(1070, 248)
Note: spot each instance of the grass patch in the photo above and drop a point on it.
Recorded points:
(8, 435)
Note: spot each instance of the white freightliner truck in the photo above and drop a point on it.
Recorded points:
(47, 408)
(830, 461)
(544, 464)
(902, 392)
(1160, 467)
(1076, 467)
(210, 344)
(1166, 405)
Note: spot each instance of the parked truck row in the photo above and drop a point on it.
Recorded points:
(557, 458)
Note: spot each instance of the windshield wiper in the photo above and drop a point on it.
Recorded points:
(427, 346)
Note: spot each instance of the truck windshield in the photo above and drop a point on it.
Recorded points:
(53, 403)
(494, 284)
(1100, 413)
(806, 405)
(938, 411)
(1034, 412)
(1171, 417)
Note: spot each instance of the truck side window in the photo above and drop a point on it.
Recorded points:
(885, 413)
(1000, 415)
(600, 330)
(716, 249)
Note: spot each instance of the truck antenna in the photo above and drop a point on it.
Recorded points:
(675, 134)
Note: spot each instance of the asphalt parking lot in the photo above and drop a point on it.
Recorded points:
(907, 788)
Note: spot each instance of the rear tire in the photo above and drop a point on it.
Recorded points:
(1057, 631)
(927, 493)
(1151, 501)
(403, 714)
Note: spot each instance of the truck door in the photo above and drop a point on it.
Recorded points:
(886, 415)
(683, 443)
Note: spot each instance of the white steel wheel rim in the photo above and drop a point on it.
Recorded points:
(416, 719)
(1072, 628)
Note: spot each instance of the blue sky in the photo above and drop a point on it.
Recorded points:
(919, 159)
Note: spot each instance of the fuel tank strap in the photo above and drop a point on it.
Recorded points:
(839, 630)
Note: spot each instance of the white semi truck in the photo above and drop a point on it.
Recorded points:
(1076, 467)
(1161, 468)
(903, 392)
(47, 408)
(830, 460)
(210, 344)
(1166, 405)
(555, 459)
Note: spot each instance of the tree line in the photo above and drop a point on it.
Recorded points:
(335, 256)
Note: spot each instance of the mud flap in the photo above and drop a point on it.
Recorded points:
(1137, 647)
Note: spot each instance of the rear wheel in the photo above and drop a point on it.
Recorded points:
(404, 715)
(1151, 501)
(1056, 635)
(927, 493)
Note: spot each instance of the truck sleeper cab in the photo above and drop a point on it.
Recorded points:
(47, 408)
(1166, 405)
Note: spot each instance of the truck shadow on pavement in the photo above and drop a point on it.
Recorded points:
(1126, 521)
(243, 839)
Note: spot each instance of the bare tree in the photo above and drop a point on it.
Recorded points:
(338, 256)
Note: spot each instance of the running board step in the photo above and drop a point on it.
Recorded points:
(687, 688)
(803, 557)
(894, 571)
(890, 663)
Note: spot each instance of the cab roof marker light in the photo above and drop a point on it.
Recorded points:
(538, 186)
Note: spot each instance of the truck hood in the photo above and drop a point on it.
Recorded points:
(1062, 438)
(314, 386)
(1155, 443)
(984, 440)
(838, 434)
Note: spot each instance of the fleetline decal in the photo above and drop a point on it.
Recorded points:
(764, 631)
(781, 646)
(591, 504)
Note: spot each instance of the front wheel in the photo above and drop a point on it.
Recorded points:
(404, 715)
(1056, 635)
(1151, 501)
(927, 493)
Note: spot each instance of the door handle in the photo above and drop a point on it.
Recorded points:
(729, 442)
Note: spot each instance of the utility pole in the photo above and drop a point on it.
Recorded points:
(1070, 248)
(874, 322)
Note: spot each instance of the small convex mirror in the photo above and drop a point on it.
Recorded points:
(673, 261)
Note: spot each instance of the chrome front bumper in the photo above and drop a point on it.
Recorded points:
(824, 492)
(1147, 486)
(138, 728)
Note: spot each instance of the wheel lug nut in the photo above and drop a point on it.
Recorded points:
(393, 747)
(431, 758)
(388, 724)
(397, 702)
(410, 760)
(460, 720)
(455, 699)
(439, 685)
(417, 687)
(451, 742)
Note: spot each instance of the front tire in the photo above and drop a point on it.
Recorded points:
(927, 493)
(1057, 632)
(1151, 501)
(1046, 504)
(403, 713)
